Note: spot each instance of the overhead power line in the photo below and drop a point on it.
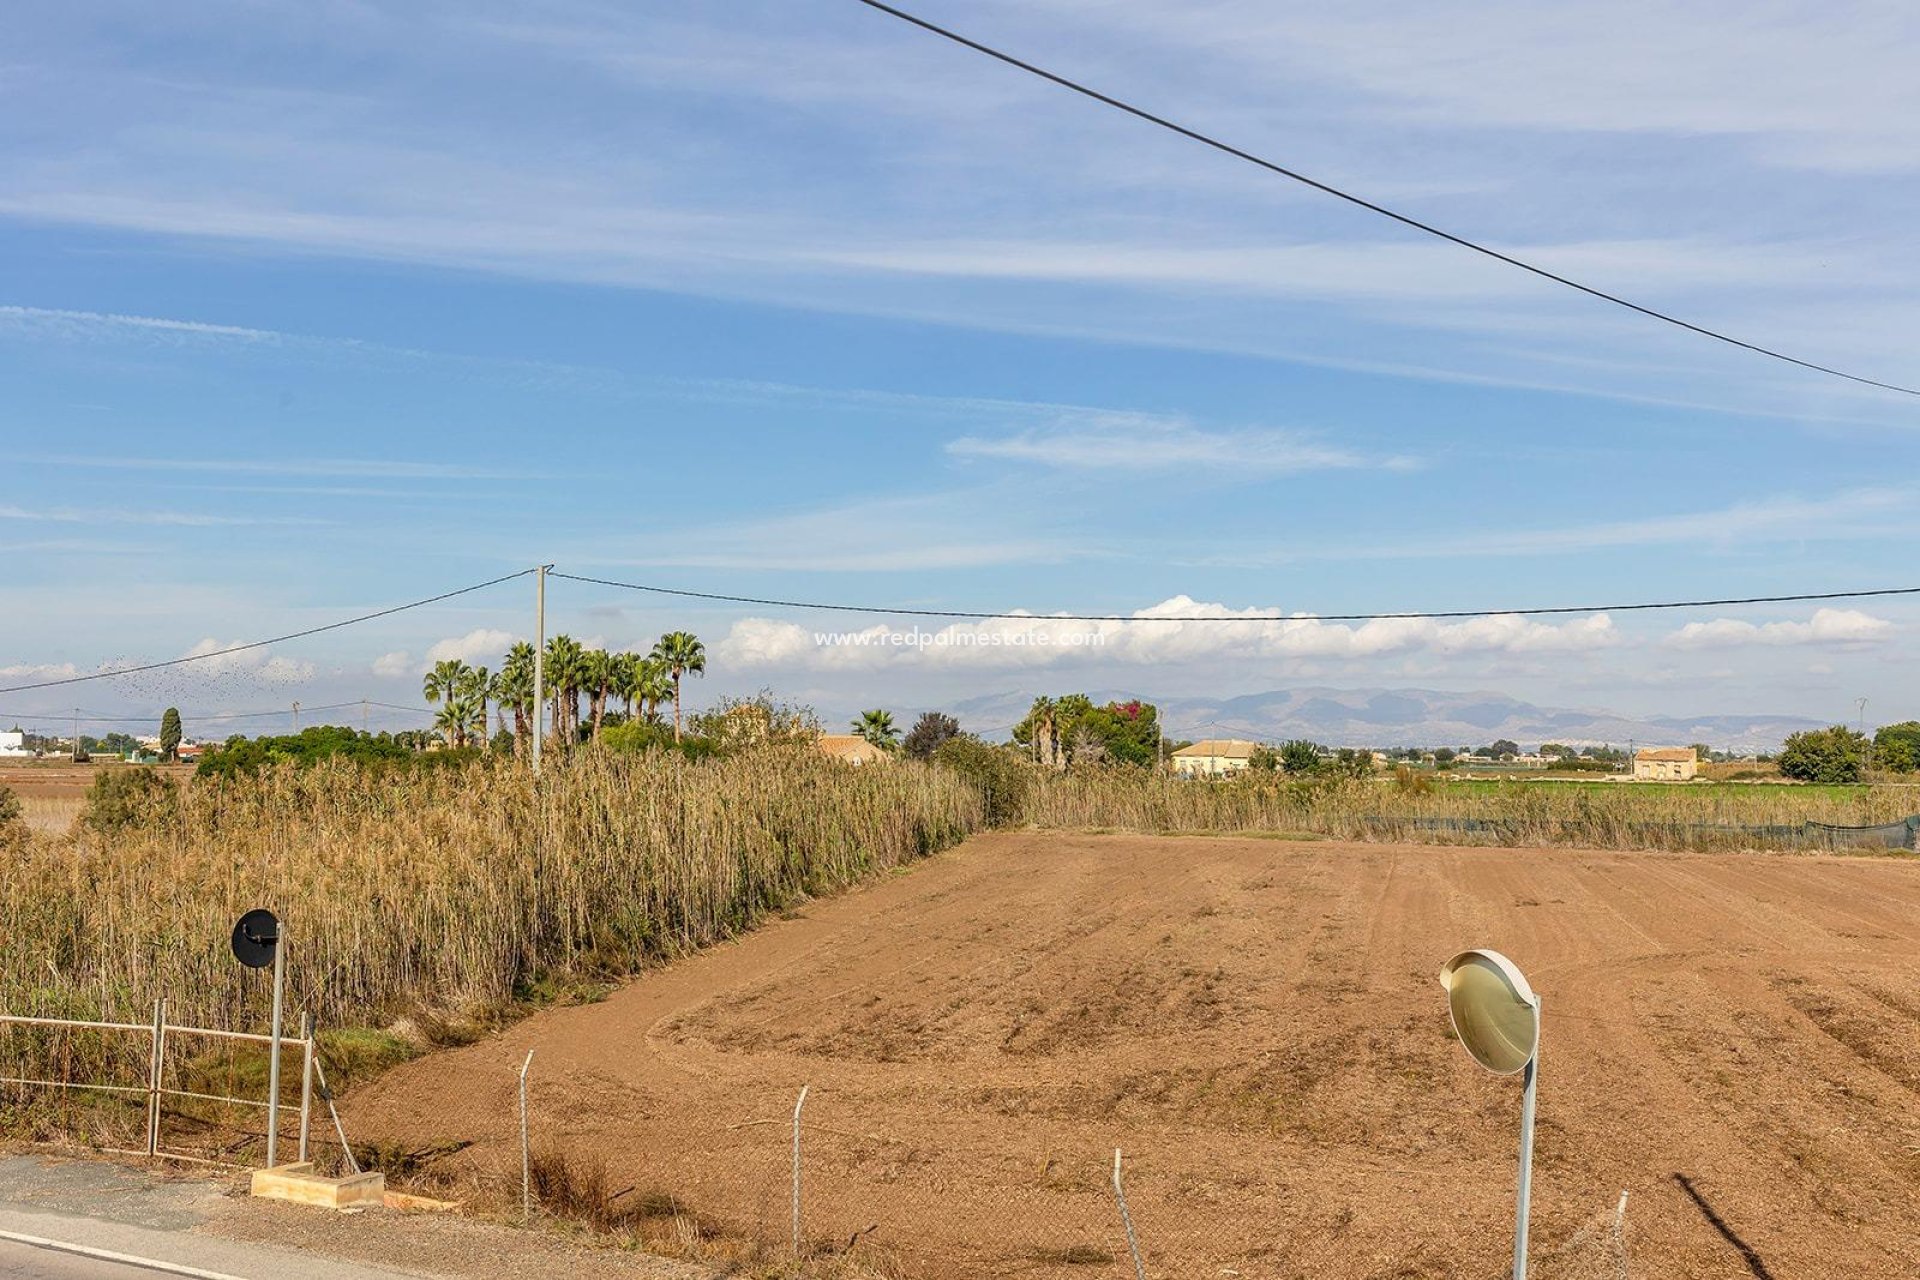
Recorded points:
(971, 615)
(201, 717)
(261, 644)
(1406, 220)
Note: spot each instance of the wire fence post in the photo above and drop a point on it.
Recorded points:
(526, 1157)
(306, 1082)
(1126, 1220)
(155, 1067)
(796, 1167)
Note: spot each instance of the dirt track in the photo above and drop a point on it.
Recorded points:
(1734, 1039)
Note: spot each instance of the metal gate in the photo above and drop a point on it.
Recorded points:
(156, 1090)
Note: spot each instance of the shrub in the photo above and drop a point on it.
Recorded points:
(126, 797)
(308, 747)
(637, 736)
(929, 733)
(1838, 754)
(1004, 779)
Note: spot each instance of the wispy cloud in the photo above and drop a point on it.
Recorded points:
(364, 468)
(119, 515)
(1857, 513)
(1146, 442)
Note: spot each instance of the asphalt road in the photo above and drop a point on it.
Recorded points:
(25, 1262)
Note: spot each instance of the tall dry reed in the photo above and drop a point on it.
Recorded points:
(446, 889)
(1594, 815)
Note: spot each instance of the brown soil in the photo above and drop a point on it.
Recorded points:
(1733, 1039)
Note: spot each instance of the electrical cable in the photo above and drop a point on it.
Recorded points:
(962, 614)
(1404, 219)
(261, 644)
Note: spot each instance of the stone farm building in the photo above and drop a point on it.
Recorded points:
(1665, 764)
(1213, 757)
(849, 748)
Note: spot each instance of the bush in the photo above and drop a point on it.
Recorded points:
(1835, 755)
(638, 736)
(11, 810)
(132, 796)
(1004, 779)
(308, 747)
(929, 733)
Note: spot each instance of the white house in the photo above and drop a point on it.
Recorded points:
(1214, 757)
(13, 743)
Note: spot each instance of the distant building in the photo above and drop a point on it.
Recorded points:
(1665, 764)
(1213, 757)
(850, 748)
(13, 743)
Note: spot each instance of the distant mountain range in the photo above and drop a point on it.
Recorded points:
(1410, 718)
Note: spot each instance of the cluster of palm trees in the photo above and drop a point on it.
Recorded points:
(642, 682)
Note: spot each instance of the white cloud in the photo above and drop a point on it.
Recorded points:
(1094, 440)
(397, 663)
(1827, 626)
(483, 646)
(261, 664)
(39, 671)
(1177, 630)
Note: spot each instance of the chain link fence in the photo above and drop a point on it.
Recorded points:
(805, 1186)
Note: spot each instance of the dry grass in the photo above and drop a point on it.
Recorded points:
(1589, 815)
(418, 893)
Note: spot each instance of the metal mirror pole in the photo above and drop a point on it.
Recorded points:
(1525, 1196)
(273, 1065)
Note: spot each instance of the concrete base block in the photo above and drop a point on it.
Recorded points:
(300, 1184)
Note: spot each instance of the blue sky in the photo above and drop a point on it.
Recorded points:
(310, 309)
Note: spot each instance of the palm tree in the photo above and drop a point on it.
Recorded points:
(877, 727)
(451, 722)
(1043, 726)
(680, 653)
(445, 683)
(597, 675)
(478, 690)
(564, 656)
(514, 688)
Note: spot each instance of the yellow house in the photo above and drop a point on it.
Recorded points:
(1665, 764)
(850, 748)
(1213, 757)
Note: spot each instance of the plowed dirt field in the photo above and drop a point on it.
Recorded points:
(1734, 1040)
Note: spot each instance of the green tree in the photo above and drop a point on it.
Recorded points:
(598, 674)
(564, 659)
(1503, 748)
(170, 735)
(445, 684)
(1264, 759)
(681, 654)
(1353, 762)
(475, 693)
(644, 685)
(1838, 754)
(876, 726)
(1300, 756)
(1444, 756)
(513, 689)
(1897, 746)
(928, 732)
